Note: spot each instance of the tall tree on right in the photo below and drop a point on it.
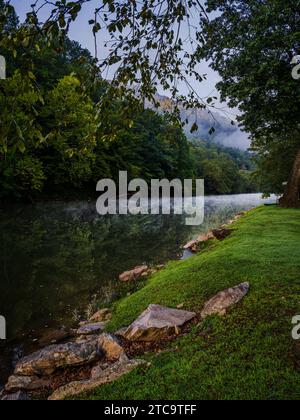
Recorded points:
(252, 44)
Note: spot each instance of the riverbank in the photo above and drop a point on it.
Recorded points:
(249, 353)
(59, 257)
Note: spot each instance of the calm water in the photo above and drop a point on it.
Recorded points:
(58, 257)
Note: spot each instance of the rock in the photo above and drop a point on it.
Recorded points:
(101, 316)
(46, 361)
(98, 370)
(191, 245)
(110, 346)
(156, 323)
(18, 396)
(221, 234)
(53, 337)
(89, 329)
(146, 274)
(223, 300)
(206, 237)
(26, 383)
(134, 274)
(112, 373)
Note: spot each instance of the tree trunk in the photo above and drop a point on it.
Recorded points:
(290, 198)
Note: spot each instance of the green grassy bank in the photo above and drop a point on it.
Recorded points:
(249, 354)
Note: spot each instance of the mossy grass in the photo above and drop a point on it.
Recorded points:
(249, 353)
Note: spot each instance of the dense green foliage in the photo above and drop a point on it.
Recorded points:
(249, 353)
(54, 138)
(251, 45)
(224, 170)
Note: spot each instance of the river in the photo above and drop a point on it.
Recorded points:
(57, 258)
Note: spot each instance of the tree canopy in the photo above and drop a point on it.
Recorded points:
(251, 45)
(155, 43)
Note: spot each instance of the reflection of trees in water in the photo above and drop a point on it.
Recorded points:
(52, 259)
(54, 256)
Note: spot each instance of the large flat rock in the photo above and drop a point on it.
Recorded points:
(224, 300)
(46, 361)
(156, 323)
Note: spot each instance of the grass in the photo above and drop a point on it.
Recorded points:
(249, 354)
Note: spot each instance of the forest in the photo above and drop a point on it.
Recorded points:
(55, 141)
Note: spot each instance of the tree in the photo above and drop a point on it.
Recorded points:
(9, 19)
(145, 144)
(70, 124)
(148, 47)
(251, 45)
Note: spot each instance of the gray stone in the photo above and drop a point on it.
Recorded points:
(156, 323)
(112, 373)
(26, 383)
(89, 329)
(224, 300)
(46, 361)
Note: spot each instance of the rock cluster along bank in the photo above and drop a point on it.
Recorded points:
(103, 354)
(220, 234)
(138, 272)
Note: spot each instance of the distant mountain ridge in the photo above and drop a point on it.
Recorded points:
(225, 133)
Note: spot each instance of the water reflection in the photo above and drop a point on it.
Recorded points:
(55, 256)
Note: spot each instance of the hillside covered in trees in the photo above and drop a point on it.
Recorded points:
(54, 139)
